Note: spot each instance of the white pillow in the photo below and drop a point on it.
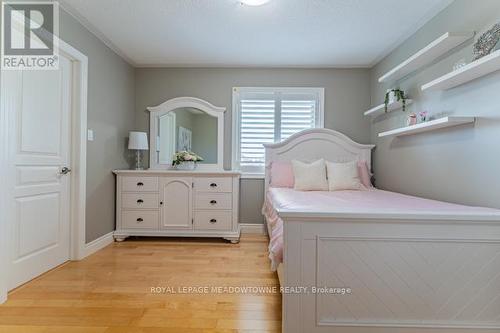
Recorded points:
(310, 177)
(343, 176)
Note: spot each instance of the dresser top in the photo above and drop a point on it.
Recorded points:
(176, 172)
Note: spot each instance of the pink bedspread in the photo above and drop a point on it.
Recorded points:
(373, 202)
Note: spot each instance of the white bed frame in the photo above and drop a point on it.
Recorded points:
(415, 273)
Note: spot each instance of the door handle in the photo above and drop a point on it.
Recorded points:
(213, 185)
(213, 221)
(140, 201)
(213, 202)
(65, 170)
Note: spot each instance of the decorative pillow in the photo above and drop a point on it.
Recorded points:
(310, 177)
(281, 174)
(343, 176)
(364, 174)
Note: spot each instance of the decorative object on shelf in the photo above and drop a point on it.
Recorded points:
(487, 42)
(459, 64)
(138, 141)
(186, 160)
(393, 95)
(185, 139)
(254, 3)
(411, 119)
(423, 116)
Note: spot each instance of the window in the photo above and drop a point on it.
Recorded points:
(268, 115)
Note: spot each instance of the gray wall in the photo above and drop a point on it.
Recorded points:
(458, 164)
(347, 94)
(110, 115)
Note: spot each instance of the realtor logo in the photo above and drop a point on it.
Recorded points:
(29, 35)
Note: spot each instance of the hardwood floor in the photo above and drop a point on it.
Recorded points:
(110, 291)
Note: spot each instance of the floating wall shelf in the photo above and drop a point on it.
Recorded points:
(486, 65)
(380, 109)
(426, 55)
(428, 126)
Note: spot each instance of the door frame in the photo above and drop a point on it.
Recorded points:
(78, 164)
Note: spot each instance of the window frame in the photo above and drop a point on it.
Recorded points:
(258, 172)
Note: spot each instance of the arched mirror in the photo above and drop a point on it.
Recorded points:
(186, 124)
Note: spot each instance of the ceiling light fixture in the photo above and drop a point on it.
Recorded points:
(254, 2)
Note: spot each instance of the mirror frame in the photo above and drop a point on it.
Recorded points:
(186, 102)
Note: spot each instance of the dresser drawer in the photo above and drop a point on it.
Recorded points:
(213, 184)
(213, 200)
(212, 220)
(140, 200)
(140, 219)
(140, 184)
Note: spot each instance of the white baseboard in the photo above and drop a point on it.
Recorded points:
(3, 298)
(98, 244)
(252, 228)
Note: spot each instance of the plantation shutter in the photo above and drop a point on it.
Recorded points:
(298, 113)
(257, 114)
(267, 115)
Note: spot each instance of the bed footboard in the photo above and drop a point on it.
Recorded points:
(390, 274)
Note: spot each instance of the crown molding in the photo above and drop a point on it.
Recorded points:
(94, 31)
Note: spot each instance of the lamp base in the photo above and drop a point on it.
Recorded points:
(138, 160)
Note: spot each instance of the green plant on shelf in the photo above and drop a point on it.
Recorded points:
(399, 95)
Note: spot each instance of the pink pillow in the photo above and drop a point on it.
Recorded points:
(364, 174)
(282, 174)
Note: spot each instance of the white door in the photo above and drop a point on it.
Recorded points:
(166, 138)
(40, 224)
(177, 203)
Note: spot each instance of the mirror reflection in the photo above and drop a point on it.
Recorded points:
(187, 129)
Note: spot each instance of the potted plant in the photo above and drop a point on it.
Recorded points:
(185, 160)
(395, 95)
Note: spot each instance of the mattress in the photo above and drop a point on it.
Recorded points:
(371, 203)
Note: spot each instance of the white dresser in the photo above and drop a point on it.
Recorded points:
(177, 203)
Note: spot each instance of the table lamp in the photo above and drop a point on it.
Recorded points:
(138, 141)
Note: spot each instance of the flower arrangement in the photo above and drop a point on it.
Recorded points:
(185, 156)
(398, 94)
(423, 116)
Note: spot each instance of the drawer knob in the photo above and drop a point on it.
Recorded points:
(140, 219)
(140, 201)
(213, 202)
(213, 185)
(140, 184)
(213, 221)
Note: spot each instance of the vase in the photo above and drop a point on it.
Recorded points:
(411, 119)
(186, 165)
(392, 97)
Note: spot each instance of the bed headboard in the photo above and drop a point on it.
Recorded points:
(313, 144)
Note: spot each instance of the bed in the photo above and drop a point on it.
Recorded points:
(378, 261)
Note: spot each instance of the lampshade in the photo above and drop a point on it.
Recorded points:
(138, 141)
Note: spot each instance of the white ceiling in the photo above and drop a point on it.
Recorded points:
(282, 33)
